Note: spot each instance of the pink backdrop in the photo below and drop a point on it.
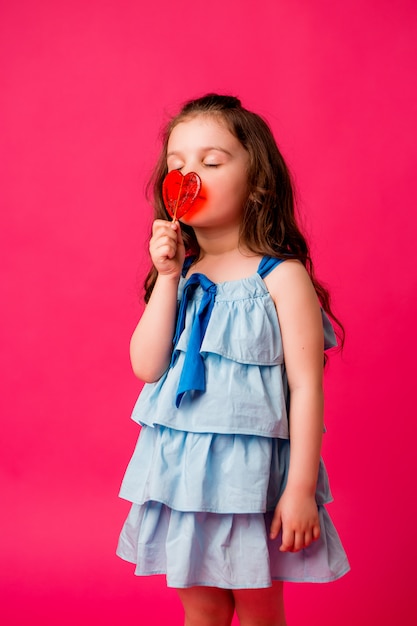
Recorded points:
(85, 87)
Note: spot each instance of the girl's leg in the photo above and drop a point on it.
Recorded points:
(207, 606)
(260, 607)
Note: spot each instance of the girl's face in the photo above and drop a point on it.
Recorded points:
(204, 145)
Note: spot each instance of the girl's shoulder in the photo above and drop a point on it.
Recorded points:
(295, 299)
(286, 272)
(290, 282)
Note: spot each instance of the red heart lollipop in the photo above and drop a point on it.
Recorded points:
(179, 192)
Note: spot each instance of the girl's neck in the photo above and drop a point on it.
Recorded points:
(217, 243)
(222, 258)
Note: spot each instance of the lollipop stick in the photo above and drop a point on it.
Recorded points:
(174, 217)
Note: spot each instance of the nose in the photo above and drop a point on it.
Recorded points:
(190, 168)
(193, 176)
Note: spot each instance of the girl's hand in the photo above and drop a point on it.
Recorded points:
(296, 514)
(166, 248)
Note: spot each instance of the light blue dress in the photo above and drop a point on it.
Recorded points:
(212, 457)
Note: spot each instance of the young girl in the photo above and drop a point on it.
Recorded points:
(227, 484)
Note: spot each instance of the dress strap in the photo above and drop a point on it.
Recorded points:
(193, 375)
(187, 264)
(267, 264)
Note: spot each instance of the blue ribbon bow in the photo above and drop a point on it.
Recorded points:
(193, 375)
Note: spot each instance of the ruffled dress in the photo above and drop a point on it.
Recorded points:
(212, 456)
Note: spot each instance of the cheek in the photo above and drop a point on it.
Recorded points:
(241, 189)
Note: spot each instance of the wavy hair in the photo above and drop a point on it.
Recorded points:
(269, 225)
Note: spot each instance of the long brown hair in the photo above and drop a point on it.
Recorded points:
(269, 225)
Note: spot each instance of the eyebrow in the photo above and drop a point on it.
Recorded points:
(206, 149)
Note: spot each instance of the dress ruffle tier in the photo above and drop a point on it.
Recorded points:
(205, 478)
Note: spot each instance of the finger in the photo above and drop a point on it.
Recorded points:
(160, 224)
(164, 253)
(316, 532)
(308, 538)
(287, 540)
(275, 525)
(299, 542)
(163, 234)
(164, 238)
(178, 230)
(163, 249)
(164, 230)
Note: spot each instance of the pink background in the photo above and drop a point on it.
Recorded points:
(85, 87)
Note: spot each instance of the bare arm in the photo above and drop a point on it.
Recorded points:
(302, 334)
(151, 343)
